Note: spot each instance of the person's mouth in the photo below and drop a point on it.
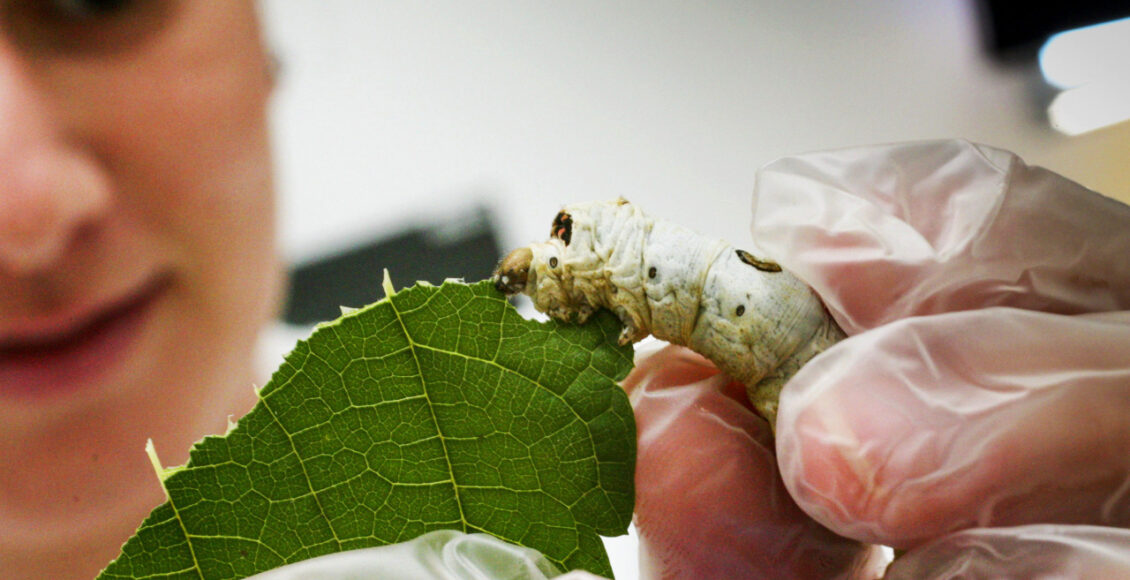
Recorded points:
(64, 353)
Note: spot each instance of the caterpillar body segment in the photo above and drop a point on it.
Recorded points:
(753, 320)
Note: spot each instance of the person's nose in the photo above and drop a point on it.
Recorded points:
(51, 188)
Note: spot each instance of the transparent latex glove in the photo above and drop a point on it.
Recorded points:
(1036, 551)
(709, 501)
(986, 381)
(438, 555)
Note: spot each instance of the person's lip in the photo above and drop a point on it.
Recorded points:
(72, 350)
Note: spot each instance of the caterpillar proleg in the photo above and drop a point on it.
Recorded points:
(755, 321)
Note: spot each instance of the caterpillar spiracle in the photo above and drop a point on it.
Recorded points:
(757, 322)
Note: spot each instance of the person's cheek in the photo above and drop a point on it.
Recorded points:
(181, 124)
(215, 206)
(709, 501)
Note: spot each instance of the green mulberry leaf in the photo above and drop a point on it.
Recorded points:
(437, 407)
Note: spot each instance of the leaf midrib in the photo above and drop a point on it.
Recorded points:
(412, 347)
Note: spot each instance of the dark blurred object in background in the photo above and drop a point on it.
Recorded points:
(1015, 30)
(467, 247)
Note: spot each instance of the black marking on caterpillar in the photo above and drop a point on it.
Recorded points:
(763, 265)
(562, 227)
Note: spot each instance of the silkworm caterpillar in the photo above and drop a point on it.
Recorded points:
(755, 321)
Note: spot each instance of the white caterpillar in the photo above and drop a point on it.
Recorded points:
(753, 320)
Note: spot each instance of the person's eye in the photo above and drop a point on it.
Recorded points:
(83, 26)
(88, 8)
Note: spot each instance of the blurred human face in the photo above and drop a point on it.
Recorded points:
(136, 240)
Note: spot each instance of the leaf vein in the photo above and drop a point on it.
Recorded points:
(431, 410)
(305, 473)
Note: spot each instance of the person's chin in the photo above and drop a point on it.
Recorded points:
(62, 363)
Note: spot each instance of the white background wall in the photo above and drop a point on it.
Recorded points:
(389, 113)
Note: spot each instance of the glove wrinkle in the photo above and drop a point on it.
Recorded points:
(902, 434)
(888, 232)
(1037, 551)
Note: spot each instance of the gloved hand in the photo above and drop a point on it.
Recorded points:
(986, 382)
(709, 500)
(438, 555)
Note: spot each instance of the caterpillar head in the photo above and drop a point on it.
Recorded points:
(540, 272)
(520, 270)
(566, 275)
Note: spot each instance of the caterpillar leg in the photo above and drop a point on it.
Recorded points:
(764, 395)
